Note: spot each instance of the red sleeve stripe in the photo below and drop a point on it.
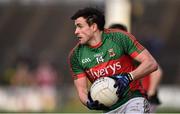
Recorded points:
(79, 76)
(134, 54)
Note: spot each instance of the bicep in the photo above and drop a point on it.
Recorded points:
(143, 56)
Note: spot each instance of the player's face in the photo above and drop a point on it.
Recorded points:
(83, 31)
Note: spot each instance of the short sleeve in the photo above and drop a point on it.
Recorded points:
(131, 45)
(75, 67)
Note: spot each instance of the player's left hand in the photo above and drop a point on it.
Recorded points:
(95, 105)
(122, 82)
(153, 99)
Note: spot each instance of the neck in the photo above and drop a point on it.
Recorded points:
(96, 39)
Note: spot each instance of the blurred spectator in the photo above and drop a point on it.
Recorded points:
(154, 44)
(22, 75)
(46, 77)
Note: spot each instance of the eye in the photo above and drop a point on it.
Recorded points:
(79, 26)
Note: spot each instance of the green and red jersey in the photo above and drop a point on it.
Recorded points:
(112, 56)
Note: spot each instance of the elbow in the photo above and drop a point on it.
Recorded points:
(159, 71)
(154, 65)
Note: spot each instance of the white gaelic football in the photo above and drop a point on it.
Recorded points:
(103, 90)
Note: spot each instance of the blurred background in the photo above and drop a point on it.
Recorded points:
(37, 35)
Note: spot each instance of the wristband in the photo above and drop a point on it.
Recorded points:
(130, 76)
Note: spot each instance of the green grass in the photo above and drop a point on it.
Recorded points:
(168, 110)
(75, 106)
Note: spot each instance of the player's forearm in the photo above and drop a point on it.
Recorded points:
(81, 86)
(145, 68)
(83, 97)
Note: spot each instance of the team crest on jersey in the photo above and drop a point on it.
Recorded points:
(111, 52)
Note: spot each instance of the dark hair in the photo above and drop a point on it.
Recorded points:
(118, 26)
(91, 15)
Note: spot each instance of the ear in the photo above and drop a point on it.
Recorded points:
(94, 27)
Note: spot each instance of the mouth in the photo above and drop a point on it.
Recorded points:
(79, 37)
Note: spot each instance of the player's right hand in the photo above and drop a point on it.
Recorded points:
(95, 105)
(122, 82)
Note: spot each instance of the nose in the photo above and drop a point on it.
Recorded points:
(76, 31)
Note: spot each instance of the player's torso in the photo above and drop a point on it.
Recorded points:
(105, 60)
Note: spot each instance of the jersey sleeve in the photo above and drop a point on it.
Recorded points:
(76, 70)
(130, 45)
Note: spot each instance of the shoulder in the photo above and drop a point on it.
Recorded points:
(116, 33)
(119, 34)
(74, 51)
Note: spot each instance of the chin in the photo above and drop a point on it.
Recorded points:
(81, 42)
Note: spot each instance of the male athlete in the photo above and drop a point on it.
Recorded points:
(105, 52)
(151, 82)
